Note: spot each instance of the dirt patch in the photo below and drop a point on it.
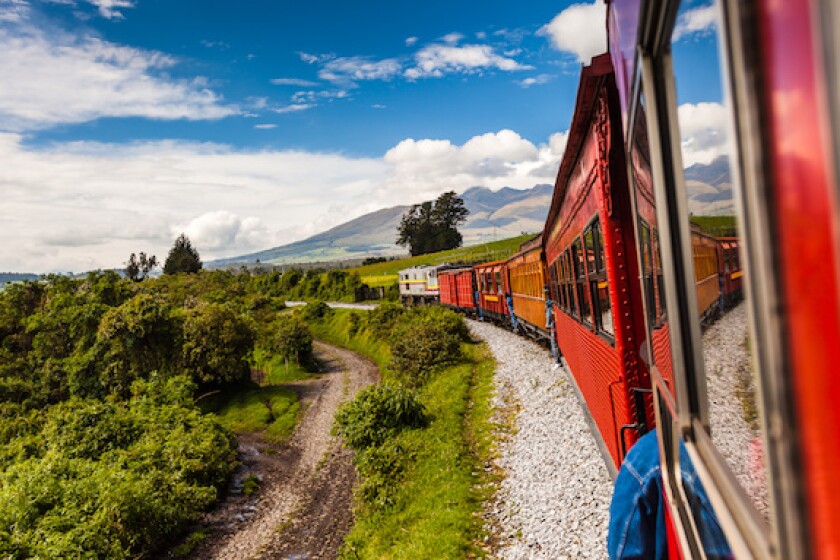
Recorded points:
(303, 506)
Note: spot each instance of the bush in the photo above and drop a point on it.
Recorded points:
(378, 413)
(417, 349)
(354, 321)
(382, 468)
(292, 339)
(383, 318)
(315, 310)
(217, 341)
(441, 319)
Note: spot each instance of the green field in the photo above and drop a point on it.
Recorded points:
(383, 274)
(719, 226)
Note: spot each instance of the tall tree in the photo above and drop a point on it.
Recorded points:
(182, 257)
(137, 269)
(433, 226)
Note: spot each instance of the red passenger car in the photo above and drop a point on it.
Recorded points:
(457, 288)
(591, 259)
(729, 265)
(492, 284)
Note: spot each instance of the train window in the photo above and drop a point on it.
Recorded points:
(578, 257)
(599, 286)
(708, 184)
(498, 281)
(589, 248)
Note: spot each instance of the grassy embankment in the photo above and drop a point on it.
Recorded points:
(432, 510)
(385, 274)
(268, 407)
(719, 226)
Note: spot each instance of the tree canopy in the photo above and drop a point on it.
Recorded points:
(137, 269)
(433, 226)
(182, 257)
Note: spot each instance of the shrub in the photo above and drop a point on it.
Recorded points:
(382, 468)
(418, 348)
(441, 319)
(217, 341)
(315, 310)
(354, 321)
(292, 339)
(378, 413)
(383, 318)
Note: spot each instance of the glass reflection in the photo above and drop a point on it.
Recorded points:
(702, 113)
(652, 282)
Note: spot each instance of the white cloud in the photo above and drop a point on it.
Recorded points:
(312, 96)
(437, 60)
(703, 132)
(13, 11)
(315, 58)
(348, 70)
(265, 126)
(57, 78)
(108, 8)
(535, 80)
(580, 29)
(452, 38)
(377, 106)
(697, 20)
(294, 108)
(410, 41)
(221, 230)
(78, 206)
(293, 82)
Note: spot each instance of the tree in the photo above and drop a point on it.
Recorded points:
(217, 341)
(433, 226)
(182, 257)
(137, 269)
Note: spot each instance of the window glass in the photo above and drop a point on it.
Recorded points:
(578, 257)
(600, 286)
(707, 178)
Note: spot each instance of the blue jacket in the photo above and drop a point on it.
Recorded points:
(637, 513)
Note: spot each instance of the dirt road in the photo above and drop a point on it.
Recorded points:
(303, 507)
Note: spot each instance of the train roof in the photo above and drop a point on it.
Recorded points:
(591, 78)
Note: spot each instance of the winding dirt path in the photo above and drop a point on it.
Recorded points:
(303, 508)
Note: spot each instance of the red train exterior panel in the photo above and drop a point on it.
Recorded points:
(596, 309)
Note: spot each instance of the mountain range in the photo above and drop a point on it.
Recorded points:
(493, 215)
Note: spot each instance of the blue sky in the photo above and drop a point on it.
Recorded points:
(254, 124)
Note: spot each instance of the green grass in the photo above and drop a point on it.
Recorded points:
(473, 254)
(436, 505)
(719, 226)
(272, 410)
(277, 370)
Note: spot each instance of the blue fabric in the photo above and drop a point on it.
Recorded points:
(549, 322)
(637, 516)
(513, 320)
(477, 298)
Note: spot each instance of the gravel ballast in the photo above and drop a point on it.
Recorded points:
(554, 499)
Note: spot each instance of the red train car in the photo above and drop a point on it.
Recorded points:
(457, 288)
(492, 284)
(527, 281)
(590, 254)
(772, 106)
(729, 265)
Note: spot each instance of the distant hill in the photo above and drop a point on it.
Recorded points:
(493, 215)
(710, 188)
(8, 277)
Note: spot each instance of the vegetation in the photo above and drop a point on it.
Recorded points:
(421, 438)
(137, 269)
(433, 226)
(719, 226)
(103, 451)
(385, 274)
(182, 257)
